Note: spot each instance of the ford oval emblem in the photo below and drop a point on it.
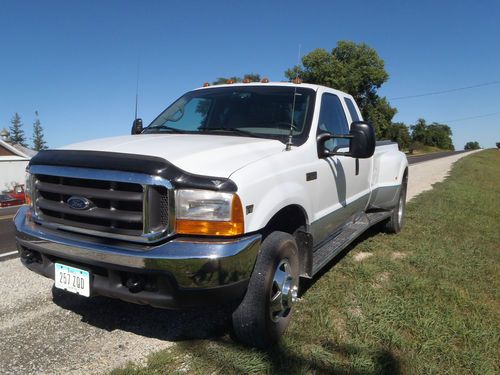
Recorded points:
(79, 203)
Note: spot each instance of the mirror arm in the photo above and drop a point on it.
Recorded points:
(322, 138)
(331, 153)
(345, 136)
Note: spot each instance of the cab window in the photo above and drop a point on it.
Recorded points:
(332, 120)
(352, 109)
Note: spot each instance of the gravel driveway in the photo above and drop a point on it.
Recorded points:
(42, 331)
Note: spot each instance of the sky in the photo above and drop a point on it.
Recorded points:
(77, 62)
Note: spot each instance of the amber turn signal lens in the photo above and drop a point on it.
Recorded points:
(234, 227)
(209, 228)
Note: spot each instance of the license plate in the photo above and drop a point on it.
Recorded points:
(72, 279)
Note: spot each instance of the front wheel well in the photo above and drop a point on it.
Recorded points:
(292, 219)
(289, 219)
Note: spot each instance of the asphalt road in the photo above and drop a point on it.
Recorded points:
(7, 240)
(7, 237)
(436, 155)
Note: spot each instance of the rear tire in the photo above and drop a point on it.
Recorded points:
(397, 218)
(264, 314)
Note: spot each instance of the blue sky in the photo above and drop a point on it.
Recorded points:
(76, 61)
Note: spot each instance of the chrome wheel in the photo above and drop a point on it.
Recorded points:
(283, 292)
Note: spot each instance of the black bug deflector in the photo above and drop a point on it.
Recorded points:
(133, 163)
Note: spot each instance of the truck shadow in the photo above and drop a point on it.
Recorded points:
(172, 325)
(339, 178)
(281, 360)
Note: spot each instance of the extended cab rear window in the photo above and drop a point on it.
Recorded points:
(352, 109)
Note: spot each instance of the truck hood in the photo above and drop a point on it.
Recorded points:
(211, 155)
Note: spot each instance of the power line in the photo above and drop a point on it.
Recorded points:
(472, 117)
(446, 91)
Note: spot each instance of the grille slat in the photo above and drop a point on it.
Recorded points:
(95, 212)
(87, 192)
(127, 206)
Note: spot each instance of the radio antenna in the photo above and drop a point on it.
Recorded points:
(296, 81)
(136, 91)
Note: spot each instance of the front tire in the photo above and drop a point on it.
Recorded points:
(264, 314)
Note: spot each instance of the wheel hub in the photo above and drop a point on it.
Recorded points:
(283, 291)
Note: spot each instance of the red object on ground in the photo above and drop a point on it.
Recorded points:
(18, 193)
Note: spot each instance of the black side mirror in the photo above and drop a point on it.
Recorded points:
(361, 141)
(136, 126)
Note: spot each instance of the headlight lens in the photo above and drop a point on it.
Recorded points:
(203, 205)
(204, 212)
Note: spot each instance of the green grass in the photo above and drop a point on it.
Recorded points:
(425, 302)
(423, 149)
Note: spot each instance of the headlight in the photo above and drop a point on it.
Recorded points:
(204, 212)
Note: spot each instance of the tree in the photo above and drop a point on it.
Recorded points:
(224, 80)
(380, 114)
(16, 135)
(252, 77)
(38, 140)
(439, 135)
(419, 131)
(472, 146)
(398, 132)
(435, 134)
(353, 68)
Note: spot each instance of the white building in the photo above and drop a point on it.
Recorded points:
(13, 162)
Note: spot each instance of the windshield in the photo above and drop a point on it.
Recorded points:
(255, 111)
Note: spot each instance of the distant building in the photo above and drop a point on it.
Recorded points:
(13, 162)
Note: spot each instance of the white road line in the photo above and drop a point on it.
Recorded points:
(8, 254)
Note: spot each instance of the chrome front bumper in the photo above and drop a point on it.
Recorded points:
(189, 263)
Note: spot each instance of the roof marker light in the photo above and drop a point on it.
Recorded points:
(265, 80)
(206, 84)
(297, 81)
(229, 81)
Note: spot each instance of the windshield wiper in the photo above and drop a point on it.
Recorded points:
(166, 127)
(244, 133)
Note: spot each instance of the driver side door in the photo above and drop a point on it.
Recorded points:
(341, 192)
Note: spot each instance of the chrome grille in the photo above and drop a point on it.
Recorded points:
(121, 205)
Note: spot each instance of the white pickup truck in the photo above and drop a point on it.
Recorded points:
(232, 193)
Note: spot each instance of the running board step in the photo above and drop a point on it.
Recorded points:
(349, 233)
